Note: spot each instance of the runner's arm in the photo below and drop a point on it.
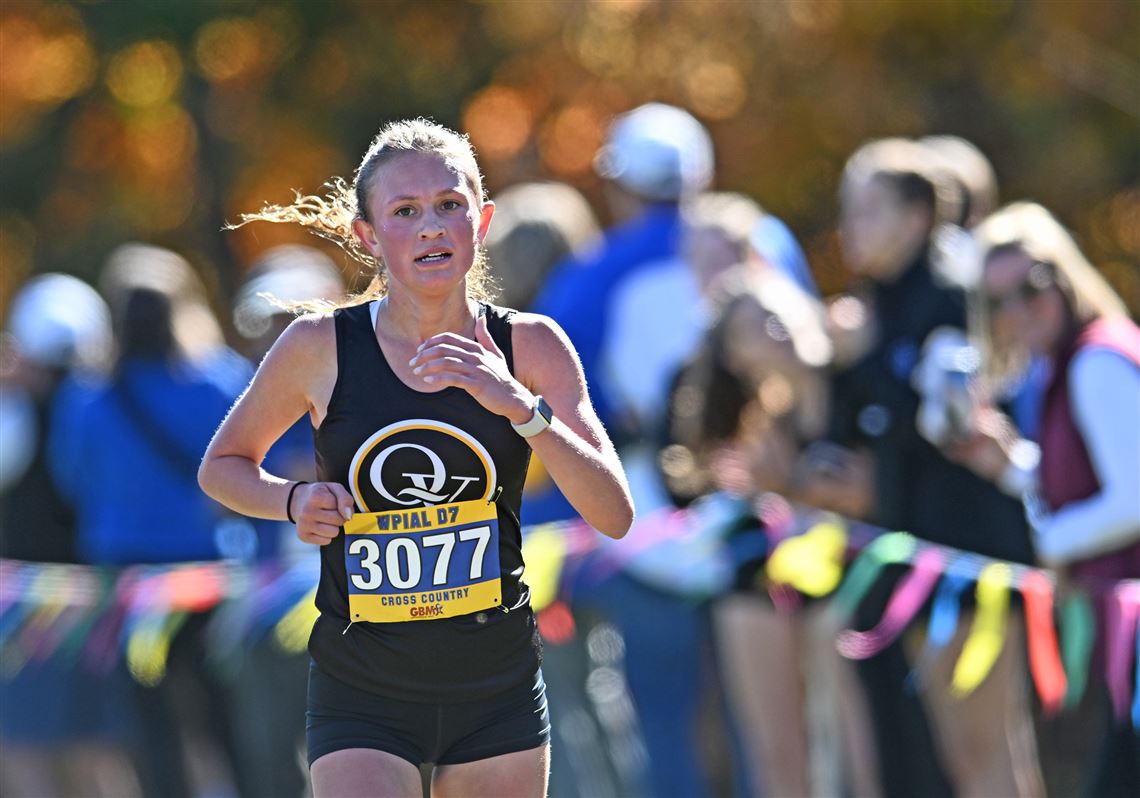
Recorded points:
(295, 378)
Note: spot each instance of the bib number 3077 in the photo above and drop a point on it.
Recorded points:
(423, 564)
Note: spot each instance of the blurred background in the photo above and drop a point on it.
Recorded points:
(160, 120)
(125, 671)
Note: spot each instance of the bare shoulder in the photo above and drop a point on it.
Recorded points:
(537, 336)
(542, 350)
(301, 366)
(308, 338)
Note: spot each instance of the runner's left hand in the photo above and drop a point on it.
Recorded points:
(477, 367)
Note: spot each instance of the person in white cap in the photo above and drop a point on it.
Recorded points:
(654, 160)
(53, 724)
(56, 323)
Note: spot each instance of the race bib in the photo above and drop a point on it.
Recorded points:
(423, 564)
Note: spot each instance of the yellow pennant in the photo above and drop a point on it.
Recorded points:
(544, 551)
(148, 647)
(812, 563)
(292, 631)
(987, 635)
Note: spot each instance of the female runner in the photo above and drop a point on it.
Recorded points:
(426, 402)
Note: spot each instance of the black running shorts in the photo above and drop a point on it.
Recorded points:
(340, 716)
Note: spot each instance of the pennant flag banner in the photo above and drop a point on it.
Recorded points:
(908, 598)
(95, 617)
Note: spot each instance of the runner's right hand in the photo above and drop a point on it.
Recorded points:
(320, 509)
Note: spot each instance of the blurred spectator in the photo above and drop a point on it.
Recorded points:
(655, 320)
(657, 316)
(1045, 299)
(895, 199)
(58, 733)
(655, 159)
(740, 413)
(537, 225)
(278, 279)
(126, 453)
(270, 683)
(122, 451)
(57, 324)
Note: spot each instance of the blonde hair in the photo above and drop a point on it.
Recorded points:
(194, 331)
(729, 213)
(1029, 228)
(913, 170)
(972, 171)
(331, 216)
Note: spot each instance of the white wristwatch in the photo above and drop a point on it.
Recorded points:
(541, 419)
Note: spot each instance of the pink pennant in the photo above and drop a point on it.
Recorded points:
(908, 598)
(1123, 612)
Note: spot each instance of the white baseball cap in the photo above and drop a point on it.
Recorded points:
(657, 151)
(59, 320)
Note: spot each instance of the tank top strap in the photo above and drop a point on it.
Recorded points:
(499, 321)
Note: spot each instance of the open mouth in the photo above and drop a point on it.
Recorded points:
(431, 258)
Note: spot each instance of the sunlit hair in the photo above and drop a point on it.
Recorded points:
(158, 306)
(332, 215)
(729, 213)
(537, 225)
(1029, 228)
(973, 173)
(912, 171)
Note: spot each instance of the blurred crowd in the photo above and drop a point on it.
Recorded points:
(977, 385)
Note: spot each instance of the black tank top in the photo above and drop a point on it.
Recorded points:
(396, 448)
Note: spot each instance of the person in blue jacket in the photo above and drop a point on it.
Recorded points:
(655, 157)
(125, 451)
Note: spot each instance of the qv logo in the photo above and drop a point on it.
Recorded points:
(420, 489)
(420, 462)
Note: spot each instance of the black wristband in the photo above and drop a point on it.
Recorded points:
(289, 501)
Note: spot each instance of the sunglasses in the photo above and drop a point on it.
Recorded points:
(1041, 277)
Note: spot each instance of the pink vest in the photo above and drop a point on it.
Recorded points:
(1067, 474)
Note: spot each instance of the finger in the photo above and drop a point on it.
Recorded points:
(344, 502)
(445, 365)
(330, 517)
(320, 535)
(444, 350)
(451, 339)
(483, 336)
(312, 498)
(451, 377)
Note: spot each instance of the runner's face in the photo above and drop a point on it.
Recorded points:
(424, 222)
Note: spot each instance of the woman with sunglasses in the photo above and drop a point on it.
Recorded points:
(1043, 298)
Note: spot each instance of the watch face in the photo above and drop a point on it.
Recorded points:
(544, 410)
